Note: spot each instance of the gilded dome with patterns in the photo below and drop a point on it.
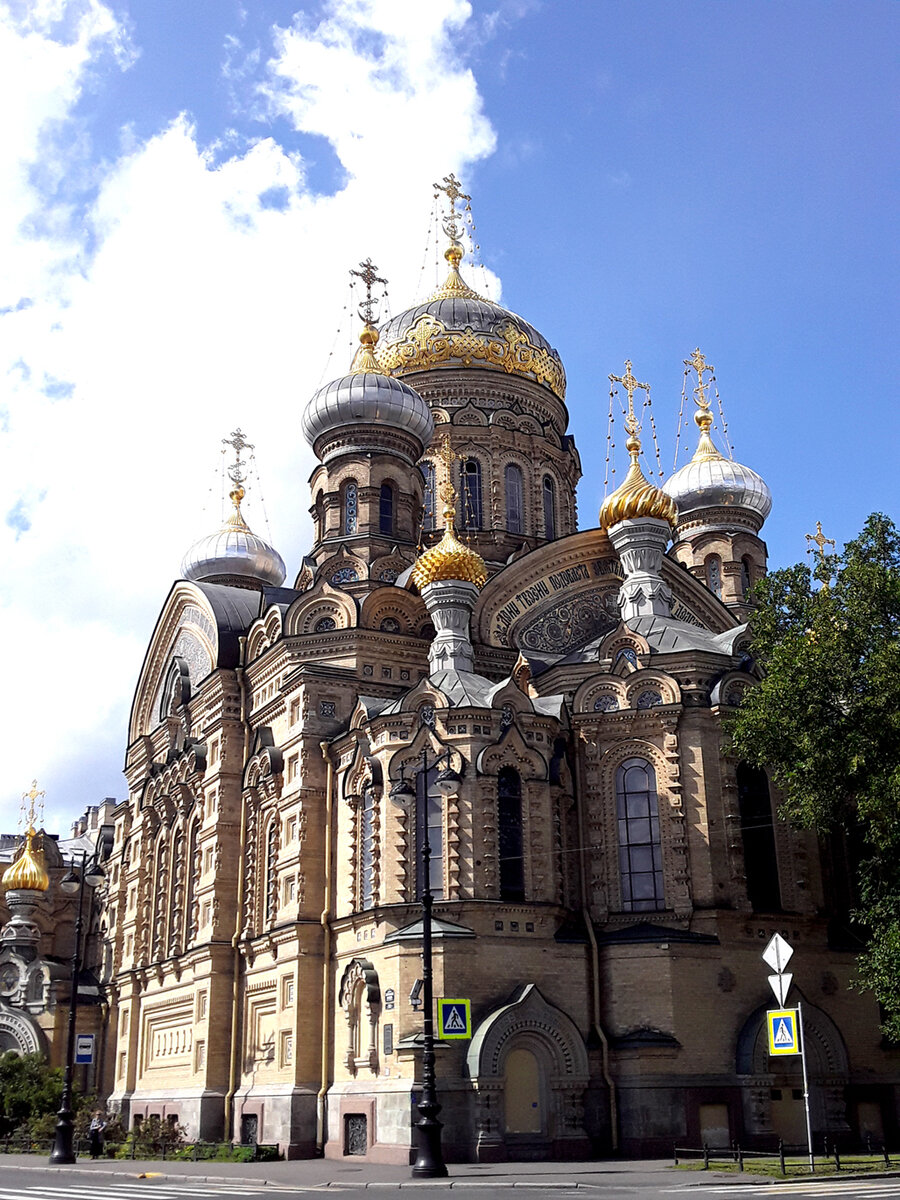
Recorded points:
(27, 873)
(636, 496)
(458, 328)
(449, 559)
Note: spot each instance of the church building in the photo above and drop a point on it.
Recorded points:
(454, 658)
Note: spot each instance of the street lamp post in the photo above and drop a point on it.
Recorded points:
(73, 881)
(429, 1162)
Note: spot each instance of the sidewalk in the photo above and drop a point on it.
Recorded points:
(318, 1172)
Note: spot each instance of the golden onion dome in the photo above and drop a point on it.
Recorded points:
(27, 873)
(456, 327)
(636, 496)
(449, 559)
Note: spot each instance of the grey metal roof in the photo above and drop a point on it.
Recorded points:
(363, 399)
(233, 551)
(718, 483)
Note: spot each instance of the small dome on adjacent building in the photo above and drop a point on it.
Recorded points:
(351, 414)
(27, 873)
(234, 555)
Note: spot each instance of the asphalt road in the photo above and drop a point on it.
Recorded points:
(620, 1181)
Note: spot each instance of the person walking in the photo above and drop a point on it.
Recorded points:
(98, 1124)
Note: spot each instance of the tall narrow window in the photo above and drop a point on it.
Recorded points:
(161, 897)
(271, 872)
(758, 835)
(470, 478)
(434, 820)
(714, 575)
(746, 577)
(514, 492)
(509, 830)
(367, 849)
(640, 854)
(386, 509)
(320, 517)
(351, 507)
(549, 509)
(429, 519)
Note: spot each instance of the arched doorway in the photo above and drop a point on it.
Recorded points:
(528, 1064)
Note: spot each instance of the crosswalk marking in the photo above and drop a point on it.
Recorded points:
(136, 1191)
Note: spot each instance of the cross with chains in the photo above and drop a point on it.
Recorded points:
(369, 277)
(631, 385)
(820, 540)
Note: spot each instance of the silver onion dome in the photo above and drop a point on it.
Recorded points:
(355, 405)
(712, 481)
(234, 555)
(360, 411)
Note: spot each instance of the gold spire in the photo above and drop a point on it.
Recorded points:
(454, 286)
(28, 872)
(449, 558)
(636, 496)
(706, 448)
(364, 360)
(820, 540)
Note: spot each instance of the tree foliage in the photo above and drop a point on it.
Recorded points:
(29, 1087)
(825, 720)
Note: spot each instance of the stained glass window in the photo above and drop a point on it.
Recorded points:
(351, 507)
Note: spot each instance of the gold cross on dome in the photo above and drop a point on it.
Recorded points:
(820, 540)
(631, 385)
(368, 276)
(701, 366)
(238, 443)
(33, 796)
(452, 190)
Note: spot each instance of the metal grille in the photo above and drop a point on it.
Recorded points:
(356, 1133)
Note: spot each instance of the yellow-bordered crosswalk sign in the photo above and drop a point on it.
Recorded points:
(782, 1025)
(454, 1019)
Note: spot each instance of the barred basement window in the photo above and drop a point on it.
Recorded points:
(640, 852)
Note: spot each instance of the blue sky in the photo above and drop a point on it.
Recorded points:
(185, 187)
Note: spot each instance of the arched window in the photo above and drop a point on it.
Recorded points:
(470, 493)
(434, 819)
(386, 509)
(367, 849)
(320, 517)
(714, 575)
(514, 494)
(746, 576)
(350, 521)
(194, 866)
(161, 896)
(640, 853)
(271, 898)
(509, 832)
(549, 509)
(758, 835)
(176, 920)
(429, 519)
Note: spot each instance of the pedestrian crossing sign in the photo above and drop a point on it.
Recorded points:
(781, 1024)
(454, 1019)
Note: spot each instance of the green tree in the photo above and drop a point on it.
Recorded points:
(825, 720)
(29, 1088)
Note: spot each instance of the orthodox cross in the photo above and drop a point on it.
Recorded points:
(32, 802)
(447, 490)
(701, 366)
(631, 385)
(368, 276)
(451, 189)
(820, 540)
(238, 443)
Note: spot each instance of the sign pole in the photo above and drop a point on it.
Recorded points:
(809, 1140)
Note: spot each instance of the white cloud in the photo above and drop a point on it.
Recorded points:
(178, 306)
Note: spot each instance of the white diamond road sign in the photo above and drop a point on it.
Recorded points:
(777, 953)
(781, 985)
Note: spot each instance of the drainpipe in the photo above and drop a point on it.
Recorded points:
(325, 922)
(234, 1056)
(595, 968)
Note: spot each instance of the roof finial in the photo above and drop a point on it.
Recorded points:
(820, 540)
(365, 357)
(450, 558)
(452, 224)
(446, 488)
(28, 872)
(236, 474)
(703, 417)
(632, 426)
(34, 809)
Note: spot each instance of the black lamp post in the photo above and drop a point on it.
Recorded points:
(429, 1162)
(73, 881)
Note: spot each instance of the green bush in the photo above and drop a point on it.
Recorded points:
(29, 1088)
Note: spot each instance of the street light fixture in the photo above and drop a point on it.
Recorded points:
(429, 1162)
(73, 881)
